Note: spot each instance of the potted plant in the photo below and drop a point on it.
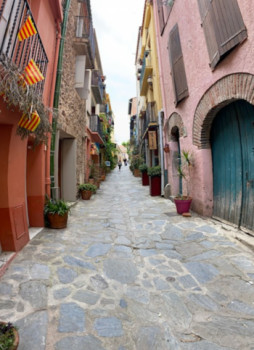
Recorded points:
(56, 213)
(87, 190)
(183, 201)
(9, 337)
(91, 178)
(154, 174)
(145, 179)
(136, 160)
(103, 172)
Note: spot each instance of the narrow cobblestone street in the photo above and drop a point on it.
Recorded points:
(129, 273)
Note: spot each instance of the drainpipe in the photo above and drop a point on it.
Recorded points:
(57, 95)
(51, 98)
(160, 120)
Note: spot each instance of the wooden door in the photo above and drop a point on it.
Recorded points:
(232, 141)
(245, 113)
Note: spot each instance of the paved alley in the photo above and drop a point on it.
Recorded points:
(128, 273)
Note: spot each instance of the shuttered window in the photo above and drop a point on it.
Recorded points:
(177, 65)
(161, 16)
(164, 8)
(223, 27)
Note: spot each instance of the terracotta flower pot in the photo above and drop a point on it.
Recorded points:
(16, 338)
(136, 173)
(57, 221)
(182, 205)
(86, 195)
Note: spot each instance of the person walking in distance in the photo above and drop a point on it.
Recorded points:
(119, 164)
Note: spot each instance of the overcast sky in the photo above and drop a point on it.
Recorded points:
(116, 23)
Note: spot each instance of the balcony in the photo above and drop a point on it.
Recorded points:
(97, 86)
(13, 14)
(149, 121)
(146, 71)
(96, 129)
(84, 42)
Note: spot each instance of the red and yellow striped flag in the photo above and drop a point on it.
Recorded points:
(28, 29)
(30, 124)
(32, 73)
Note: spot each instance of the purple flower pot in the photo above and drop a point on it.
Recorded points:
(182, 205)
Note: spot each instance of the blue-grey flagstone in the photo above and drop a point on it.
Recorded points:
(203, 272)
(121, 270)
(86, 296)
(32, 331)
(66, 275)
(72, 318)
(88, 342)
(72, 261)
(108, 327)
(99, 249)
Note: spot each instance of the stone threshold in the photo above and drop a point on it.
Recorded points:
(7, 257)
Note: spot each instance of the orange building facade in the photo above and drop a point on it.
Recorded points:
(25, 172)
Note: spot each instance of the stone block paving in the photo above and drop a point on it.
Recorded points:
(128, 273)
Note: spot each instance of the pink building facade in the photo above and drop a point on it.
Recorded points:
(205, 51)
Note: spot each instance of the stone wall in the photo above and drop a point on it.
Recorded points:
(72, 109)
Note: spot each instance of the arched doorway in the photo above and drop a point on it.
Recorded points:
(232, 144)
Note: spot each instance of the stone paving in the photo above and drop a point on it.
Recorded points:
(128, 273)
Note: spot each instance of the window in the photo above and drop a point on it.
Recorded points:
(177, 65)
(9, 23)
(223, 26)
(164, 9)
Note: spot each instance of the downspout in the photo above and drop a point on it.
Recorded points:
(160, 120)
(53, 82)
(57, 93)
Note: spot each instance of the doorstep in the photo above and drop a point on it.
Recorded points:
(7, 257)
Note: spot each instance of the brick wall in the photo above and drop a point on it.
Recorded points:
(229, 88)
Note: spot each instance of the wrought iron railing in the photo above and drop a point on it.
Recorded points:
(97, 85)
(13, 14)
(95, 124)
(84, 29)
(148, 118)
(146, 63)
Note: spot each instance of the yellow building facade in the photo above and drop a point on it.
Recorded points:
(149, 88)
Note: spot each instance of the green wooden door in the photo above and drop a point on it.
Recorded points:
(245, 113)
(232, 141)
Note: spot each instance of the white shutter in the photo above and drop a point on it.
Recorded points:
(84, 91)
(80, 71)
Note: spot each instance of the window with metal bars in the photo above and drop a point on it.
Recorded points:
(223, 27)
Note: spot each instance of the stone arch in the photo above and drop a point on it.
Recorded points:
(226, 90)
(174, 121)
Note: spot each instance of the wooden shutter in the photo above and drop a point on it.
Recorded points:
(177, 65)
(223, 26)
(161, 15)
(167, 8)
